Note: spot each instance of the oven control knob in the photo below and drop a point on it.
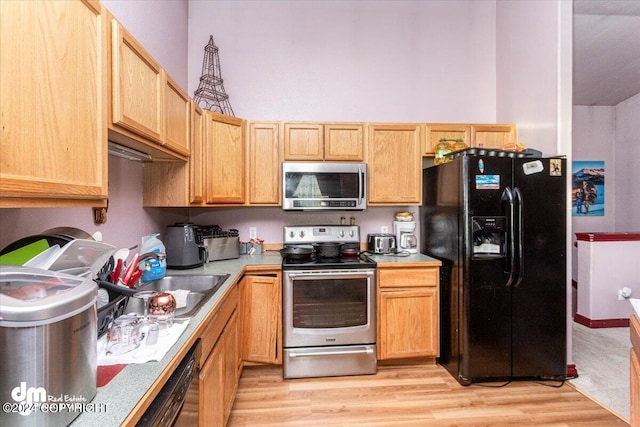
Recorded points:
(351, 233)
(302, 234)
(341, 233)
(292, 234)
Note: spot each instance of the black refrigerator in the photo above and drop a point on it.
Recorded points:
(498, 224)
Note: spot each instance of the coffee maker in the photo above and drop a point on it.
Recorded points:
(406, 237)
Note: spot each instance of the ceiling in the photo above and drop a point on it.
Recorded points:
(606, 51)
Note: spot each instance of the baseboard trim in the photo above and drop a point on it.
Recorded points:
(572, 371)
(600, 323)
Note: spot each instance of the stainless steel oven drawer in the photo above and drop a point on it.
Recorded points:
(330, 361)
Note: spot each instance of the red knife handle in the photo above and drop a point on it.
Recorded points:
(131, 268)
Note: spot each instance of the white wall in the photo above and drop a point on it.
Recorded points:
(390, 61)
(593, 136)
(627, 160)
(528, 71)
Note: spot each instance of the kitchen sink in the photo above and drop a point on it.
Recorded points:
(200, 287)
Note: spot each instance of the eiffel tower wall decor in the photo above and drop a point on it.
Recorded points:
(210, 94)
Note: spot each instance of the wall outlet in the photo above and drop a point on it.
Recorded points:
(384, 229)
(253, 232)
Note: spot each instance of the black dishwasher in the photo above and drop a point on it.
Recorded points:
(167, 405)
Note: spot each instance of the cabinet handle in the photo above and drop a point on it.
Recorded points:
(331, 353)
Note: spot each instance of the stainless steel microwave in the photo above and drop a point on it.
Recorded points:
(324, 186)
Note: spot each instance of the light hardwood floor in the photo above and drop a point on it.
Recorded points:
(421, 395)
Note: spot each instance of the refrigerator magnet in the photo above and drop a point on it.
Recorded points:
(487, 182)
(555, 167)
(532, 167)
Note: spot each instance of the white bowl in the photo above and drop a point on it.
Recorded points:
(404, 218)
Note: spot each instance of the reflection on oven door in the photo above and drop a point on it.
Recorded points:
(330, 361)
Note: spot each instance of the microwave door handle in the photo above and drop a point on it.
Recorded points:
(360, 185)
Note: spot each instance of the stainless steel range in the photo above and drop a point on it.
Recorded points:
(329, 306)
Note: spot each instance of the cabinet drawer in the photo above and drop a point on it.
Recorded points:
(212, 332)
(407, 277)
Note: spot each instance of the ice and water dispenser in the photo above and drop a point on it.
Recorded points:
(489, 236)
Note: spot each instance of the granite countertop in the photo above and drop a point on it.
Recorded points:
(115, 401)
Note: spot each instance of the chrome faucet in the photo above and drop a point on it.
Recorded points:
(152, 255)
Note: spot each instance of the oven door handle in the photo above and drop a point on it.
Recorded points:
(293, 354)
(333, 274)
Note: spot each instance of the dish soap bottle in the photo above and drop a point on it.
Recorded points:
(153, 269)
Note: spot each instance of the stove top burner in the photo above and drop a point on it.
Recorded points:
(315, 262)
(307, 235)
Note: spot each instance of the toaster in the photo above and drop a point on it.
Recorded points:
(381, 243)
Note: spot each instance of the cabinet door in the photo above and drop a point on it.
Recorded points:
(212, 383)
(232, 363)
(493, 136)
(260, 318)
(225, 159)
(303, 141)
(137, 86)
(177, 117)
(635, 387)
(344, 142)
(394, 164)
(264, 163)
(449, 132)
(408, 323)
(53, 104)
(196, 159)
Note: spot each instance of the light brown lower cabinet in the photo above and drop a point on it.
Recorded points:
(408, 312)
(634, 365)
(220, 364)
(261, 310)
(211, 384)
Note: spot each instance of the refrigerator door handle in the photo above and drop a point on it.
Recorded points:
(507, 195)
(519, 200)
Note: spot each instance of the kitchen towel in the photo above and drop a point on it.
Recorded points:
(144, 353)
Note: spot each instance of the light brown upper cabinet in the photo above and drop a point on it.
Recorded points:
(263, 168)
(149, 111)
(224, 153)
(493, 136)
(178, 183)
(53, 104)
(177, 117)
(196, 160)
(448, 131)
(344, 142)
(136, 86)
(394, 163)
(303, 141)
(323, 141)
(218, 162)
